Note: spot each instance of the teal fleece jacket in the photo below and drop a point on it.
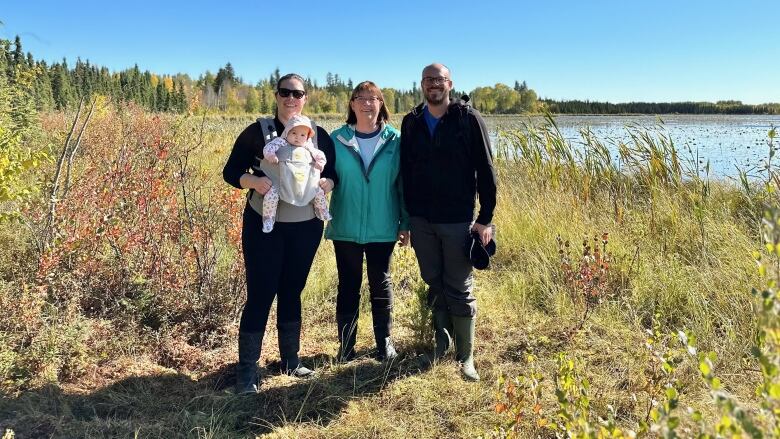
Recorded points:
(367, 204)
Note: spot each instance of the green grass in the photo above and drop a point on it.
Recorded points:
(110, 376)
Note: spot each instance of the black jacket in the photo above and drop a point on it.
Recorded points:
(443, 174)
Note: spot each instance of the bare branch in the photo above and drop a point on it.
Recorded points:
(76, 147)
(50, 217)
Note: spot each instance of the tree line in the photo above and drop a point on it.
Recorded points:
(59, 86)
(720, 107)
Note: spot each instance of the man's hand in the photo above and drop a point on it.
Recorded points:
(485, 232)
(326, 184)
(403, 238)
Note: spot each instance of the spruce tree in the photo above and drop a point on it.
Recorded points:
(44, 98)
(225, 76)
(18, 56)
(160, 97)
(181, 98)
(61, 86)
(263, 101)
(169, 97)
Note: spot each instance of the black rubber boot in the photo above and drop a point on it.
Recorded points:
(289, 345)
(249, 345)
(383, 323)
(464, 346)
(347, 329)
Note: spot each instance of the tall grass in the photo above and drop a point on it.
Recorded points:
(105, 342)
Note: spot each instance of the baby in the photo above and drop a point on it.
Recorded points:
(296, 172)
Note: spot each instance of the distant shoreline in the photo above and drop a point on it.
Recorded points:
(634, 114)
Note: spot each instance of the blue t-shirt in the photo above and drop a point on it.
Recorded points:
(430, 120)
(367, 143)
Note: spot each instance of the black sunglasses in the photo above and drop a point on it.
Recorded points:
(286, 92)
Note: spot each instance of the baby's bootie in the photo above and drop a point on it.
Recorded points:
(268, 224)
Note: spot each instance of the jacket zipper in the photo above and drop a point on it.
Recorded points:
(352, 143)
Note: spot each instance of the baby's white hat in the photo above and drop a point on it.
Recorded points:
(298, 121)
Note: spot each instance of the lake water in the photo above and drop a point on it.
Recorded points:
(726, 141)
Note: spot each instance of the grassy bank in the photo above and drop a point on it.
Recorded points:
(123, 322)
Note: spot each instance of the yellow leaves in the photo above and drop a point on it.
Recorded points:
(705, 368)
(774, 391)
(101, 106)
(17, 119)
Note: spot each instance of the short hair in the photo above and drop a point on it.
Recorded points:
(370, 87)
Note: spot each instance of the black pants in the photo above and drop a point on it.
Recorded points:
(277, 264)
(349, 262)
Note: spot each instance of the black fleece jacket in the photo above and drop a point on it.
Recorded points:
(443, 173)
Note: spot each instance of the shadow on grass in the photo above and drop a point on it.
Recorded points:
(547, 342)
(173, 405)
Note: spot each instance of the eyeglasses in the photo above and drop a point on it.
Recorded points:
(430, 80)
(286, 92)
(366, 99)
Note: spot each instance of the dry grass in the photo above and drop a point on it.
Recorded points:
(138, 382)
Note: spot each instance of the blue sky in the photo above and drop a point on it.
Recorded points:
(599, 50)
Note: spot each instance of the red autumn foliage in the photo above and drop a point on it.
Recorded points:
(141, 235)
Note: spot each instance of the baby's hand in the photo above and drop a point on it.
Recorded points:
(318, 158)
(271, 158)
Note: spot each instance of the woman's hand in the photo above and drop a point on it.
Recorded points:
(403, 238)
(260, 184)
(263, 185)
(326, 184)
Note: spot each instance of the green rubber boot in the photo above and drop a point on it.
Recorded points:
(464, 346)
(442, 333)
(442, 336)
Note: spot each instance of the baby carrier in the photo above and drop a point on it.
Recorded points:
(294, 177)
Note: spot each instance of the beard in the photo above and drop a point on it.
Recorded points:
(435, 96)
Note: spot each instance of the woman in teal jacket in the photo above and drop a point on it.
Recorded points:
(368, 216)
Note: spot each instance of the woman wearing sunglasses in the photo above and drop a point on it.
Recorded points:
(277, 263)
(368, 216)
